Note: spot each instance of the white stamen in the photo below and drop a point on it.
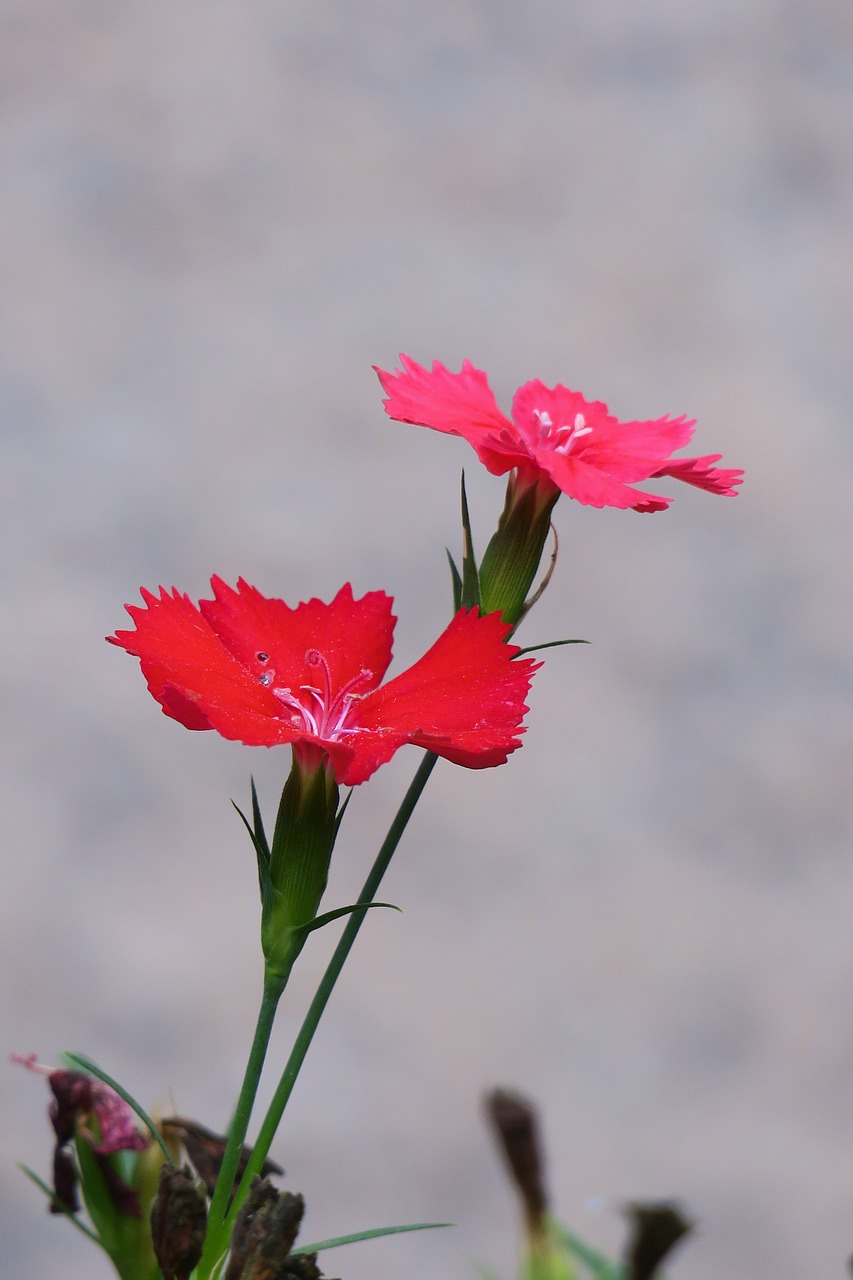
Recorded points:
(317, 709)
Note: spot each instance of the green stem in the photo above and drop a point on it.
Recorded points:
(327, 983)
(273, 988)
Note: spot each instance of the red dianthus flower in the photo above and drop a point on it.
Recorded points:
(260, 672)
(555, 439)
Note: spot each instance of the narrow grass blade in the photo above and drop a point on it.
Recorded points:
(601, 1267)
(549, 644)
(63, 1208)
(373, 1234)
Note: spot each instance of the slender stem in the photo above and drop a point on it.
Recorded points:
(327, 983)
(273, 987)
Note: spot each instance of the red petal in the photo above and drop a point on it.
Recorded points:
(194, 677)
(202, 664)
(464, 700)
(353, 636)
(460, 404)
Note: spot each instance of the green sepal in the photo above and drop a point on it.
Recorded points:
(79, 1062)
(514, 553)
(262, 851)
(342, 810)
(470, 576)
(280, 942)
(273, 906)
(456, 582)
(548, 1261)
(305, 829)
(127, 1240)
(373, 1234)
(293, 871)
(259, 833)
(553, 1265)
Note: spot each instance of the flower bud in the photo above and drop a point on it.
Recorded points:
(264, 1234)
(178, 1221)
(516, 1127)
(515, 1124)
(656, 1228)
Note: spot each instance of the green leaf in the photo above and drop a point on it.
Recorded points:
(601, 1267)
(327, 917)
(456, 579)
(373, 1234)
(549, 644)
(79, 1062)
(63, 1208)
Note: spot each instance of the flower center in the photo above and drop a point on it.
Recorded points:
(559, 438)
(318, 708)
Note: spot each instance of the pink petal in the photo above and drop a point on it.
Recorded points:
(116, 1121)
(701, 473)
(632, 451)
(561, 405)
(460, 404)
(589, 485)
(626, 451)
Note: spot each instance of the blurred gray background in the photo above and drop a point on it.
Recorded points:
(214, 217)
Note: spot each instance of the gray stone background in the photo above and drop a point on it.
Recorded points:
(214, 217)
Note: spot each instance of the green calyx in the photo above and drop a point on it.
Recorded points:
(115, 1194)
(293, 870)
(514, 554)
